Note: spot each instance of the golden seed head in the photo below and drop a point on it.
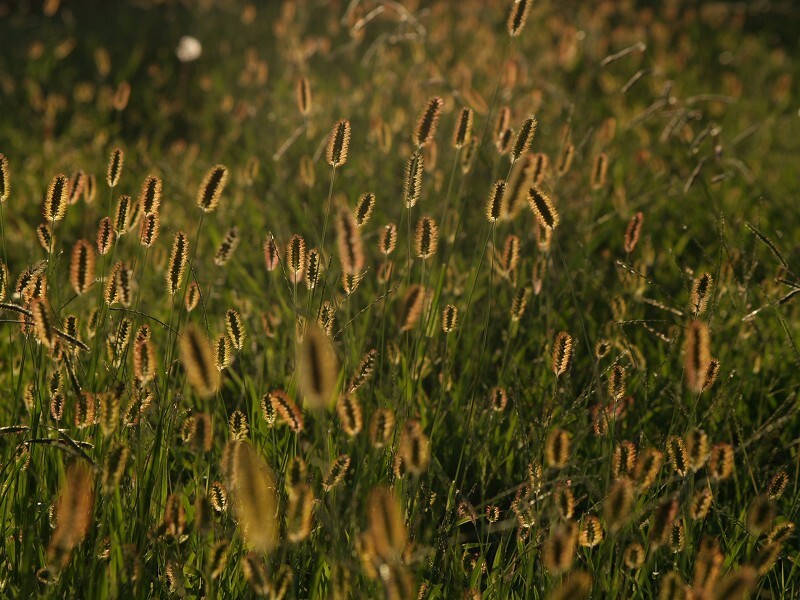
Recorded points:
(543, 208)
(227, 246)
(338, 143)
(557, 448)
(105, 235)
(701, 292)
(633, 231)
(287, 410)
(387, 239)
(348, 409)
(114, 171)
(364, 208)
(303, 96)
(777, 485)
(223, 352)
(5, 179)
(697, 355)
(350, 246)
(518, 16)
(676, 452)
(211, 188)
(427, 238)
(599, 171)
(256, 504)
(520, 302)
(177, 262)
(235, 328)
(495, 202)
(271, 255)
(562, 353)
(412, 183)
(122, 216)
(524, 138)
(318, 367)
(427, 122)
(57, 199)
(336, 472)
(449, 318)
(198, 360)
(381, 427)
(591, 532)
(463, 130)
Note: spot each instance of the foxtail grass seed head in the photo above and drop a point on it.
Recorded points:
(427, 122)
(299, 515)
(468, 154)
(565, 159)
(89, 188)
(381, 427)
(202, 432)
(599, 171)
(74, 508)
(411, 307)
(303, 92)
(697, 355)
(287, 410)
(45, 235)
(777, 485)
(256, 504)
(81, 267)
(676, 452)
(122, 215)
(271, 254)
(363, 372)
(211, 188)
(427, 238)
(503, 142)
(618, 504)
(105, 235)
(57, 199)
(591, 532)
(313, 268)
(711, 374)
(511, 254)
(336, 472)
(227, 247)
(780, 533)
(557, 448)
(5, 179)
(449, 318)
(43, 325)
(414, 448)
(617, 383)
(633, 556)
(633, 231)
(701, 293)
(350, 246)
(524, 138)
(661, 521)
(114, 467)
(235, 328)
(150, 195)
(223, 352)
(701, 503)
(543, 208)
(148, 230)
(761, 515)
(318, 368)
(296, 258)
(348, 408)
(387, 528)
(648, 467)
(412, 183)
(238, 427)
(498, 399)
(144, 356)
(518, 16)
(558, 552)
(564, 501)
(178, 259)
(697, 448)
(114, 171)
(387, 239)
(192, 298)
(519, 302)
(495, 202)
(562, 353)
(76, 185)
(198, 360)
(463, 130)
(364, 208)
(338, 144)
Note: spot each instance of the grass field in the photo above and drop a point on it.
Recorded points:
(402, 298)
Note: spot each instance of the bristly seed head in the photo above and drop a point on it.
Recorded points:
(426, 125)
(211, 188)
(338, 143)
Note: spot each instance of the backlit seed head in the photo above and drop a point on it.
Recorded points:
(350, 246)
(348, 409)
(336, 472)
(558, 551)
(412, 183)
(114, 171)
(711, 374)
(780, 533)
(510, 257)
(148, 231)
(623, 461)
(387, 528)
(677, 536)
(192, 298)
(223, 352)
(327, 317)
(45, 236)
(701, 503)
(364, 208)
(178, 259)
(211, 188)
(617, 383)
(114, 467)
(696, 448)
(122, 216)
(43, 325)
(296, 258)
(518, 16)
(318, 367)
(5, 179)
(701, 293)
(338, 143)
(57, 199)
(697, 355)
(74, 509)
(449, 318)
(498, 399)
(76, 184)
(503, 141)
(89, 188)
(524, 137)
(468, 154)
(495, 202)
(777, 485)
(202, 432)
(599, 171)
(198, 360)
(238, 428)
(411, 307)
(303, 92)
(381, 427)
(562, 353)
(633, 231)
(144, 356)
(150, 196)
(271, 255)
(543, 208)
(428, 120)
(105, 235)
(720, 463)
(414, 448)
(256, 504)
(676, 452)
(387, 239)
(313, 268)
(766, 558)
(519, 302)
(557, 448)
(427, 238)
(591, 532)
(463, 130)
(81, 267)
(227, 247)
(565, 159)
(218, 497)
(647, 467)
(363, 371)
(634, 556)
(235, 328)
(564, 501)
(299, 516)
(287, 410)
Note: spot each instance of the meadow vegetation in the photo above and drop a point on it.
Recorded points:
(402, 298)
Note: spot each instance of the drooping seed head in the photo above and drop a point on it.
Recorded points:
(543, 208)
(338, 143)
